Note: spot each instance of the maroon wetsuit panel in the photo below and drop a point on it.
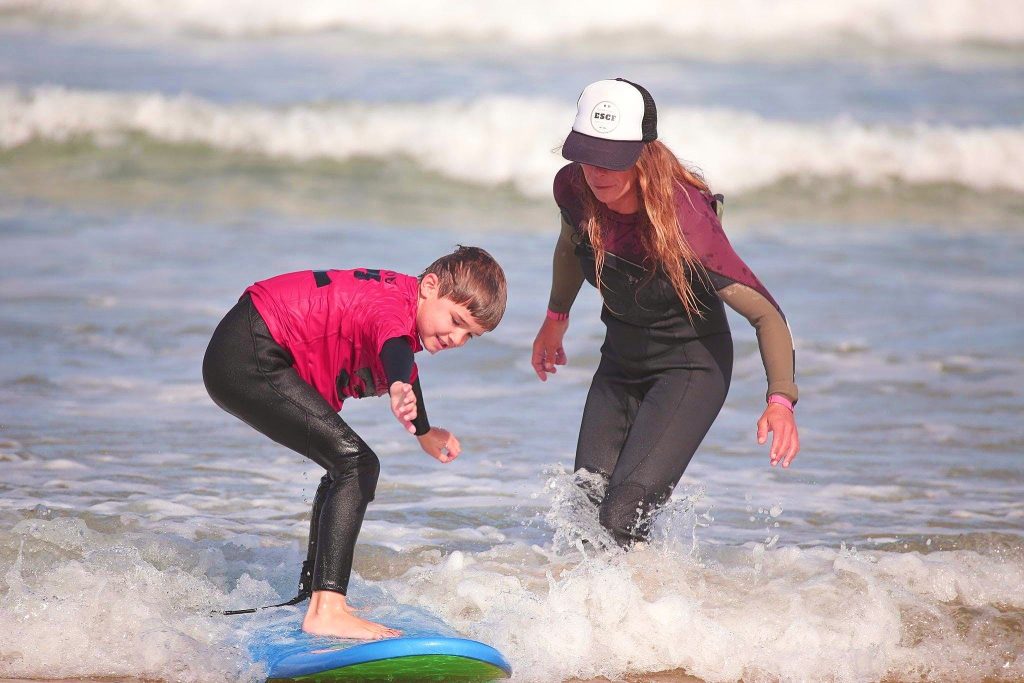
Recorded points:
(335, 323)
(697, 219)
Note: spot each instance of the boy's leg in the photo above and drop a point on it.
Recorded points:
(249, 375)
(675, 415)
(306, 575)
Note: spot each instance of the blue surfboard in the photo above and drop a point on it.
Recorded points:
(291, 655)
(396, 659)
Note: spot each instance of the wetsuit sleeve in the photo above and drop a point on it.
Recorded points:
(700, 219)
(397, 357)
(566, 273)
(773, 336)
(421, 423)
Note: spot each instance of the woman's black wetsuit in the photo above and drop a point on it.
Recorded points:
(659, 386)
(663, 377)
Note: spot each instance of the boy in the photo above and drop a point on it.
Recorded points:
(297, 345)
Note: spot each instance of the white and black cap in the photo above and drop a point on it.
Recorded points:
(614, 120)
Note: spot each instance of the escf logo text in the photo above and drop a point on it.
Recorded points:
(604, 117)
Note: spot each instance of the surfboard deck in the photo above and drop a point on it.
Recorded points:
(429, 650)
(431, 658)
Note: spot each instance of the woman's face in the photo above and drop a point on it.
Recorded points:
(612, 188)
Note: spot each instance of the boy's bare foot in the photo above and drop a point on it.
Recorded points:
(330, 615)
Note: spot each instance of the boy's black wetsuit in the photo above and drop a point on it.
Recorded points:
(662, 378)
(253, 377)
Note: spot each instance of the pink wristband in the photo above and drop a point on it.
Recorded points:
(781, 400)
(557, 316)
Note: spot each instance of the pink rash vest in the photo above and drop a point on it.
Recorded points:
(335, 323)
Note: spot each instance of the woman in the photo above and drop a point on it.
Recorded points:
(644, 230)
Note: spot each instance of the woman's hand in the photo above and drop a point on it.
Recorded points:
(779, 420)
(440, 444)
(547, 348)
(403, 405)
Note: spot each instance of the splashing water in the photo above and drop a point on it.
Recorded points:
(580, 607)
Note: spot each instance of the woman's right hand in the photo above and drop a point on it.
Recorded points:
(547, 348)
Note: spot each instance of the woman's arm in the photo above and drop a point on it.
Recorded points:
(773, 336)
(566, 280)
(700, 220)
(776, 345)
(566, 272)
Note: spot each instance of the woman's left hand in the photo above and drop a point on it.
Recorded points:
(779, 420)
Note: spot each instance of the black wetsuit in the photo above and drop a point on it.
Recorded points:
(663, 377)
(659, 386)
(250, 375)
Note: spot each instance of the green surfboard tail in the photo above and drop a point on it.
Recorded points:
(414, 668)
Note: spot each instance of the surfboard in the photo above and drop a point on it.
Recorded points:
(430, 650)
(437, 658)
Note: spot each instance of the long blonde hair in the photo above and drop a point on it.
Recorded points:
(658, 173)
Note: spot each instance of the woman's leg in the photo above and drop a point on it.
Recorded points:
(612, 404)
(676, 413)
(249, 375)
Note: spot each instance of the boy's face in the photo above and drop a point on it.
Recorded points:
(442, 323)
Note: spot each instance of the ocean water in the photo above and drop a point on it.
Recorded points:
(157, 157)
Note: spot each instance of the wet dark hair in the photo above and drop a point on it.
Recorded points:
(470, 277)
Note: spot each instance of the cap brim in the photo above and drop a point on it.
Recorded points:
(615, 155)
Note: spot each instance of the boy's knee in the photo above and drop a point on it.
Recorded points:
(363, 467)
(369, 472)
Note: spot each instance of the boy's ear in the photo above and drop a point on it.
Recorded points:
(428, 285)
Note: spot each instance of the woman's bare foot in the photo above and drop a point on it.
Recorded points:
(330, 615)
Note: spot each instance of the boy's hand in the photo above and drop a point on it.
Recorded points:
(780, 422)
(547, 348)
(403, 405)
(440, 444)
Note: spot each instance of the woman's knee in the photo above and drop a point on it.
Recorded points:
(628, 510)
(622, 512)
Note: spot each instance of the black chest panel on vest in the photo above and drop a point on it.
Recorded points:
(645, 298)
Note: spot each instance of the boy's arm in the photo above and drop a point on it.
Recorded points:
(397, 357)
(420, 423)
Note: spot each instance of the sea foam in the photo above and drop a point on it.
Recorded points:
(514, 140)
(80, 603)
(543, 22)
(585, 609)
